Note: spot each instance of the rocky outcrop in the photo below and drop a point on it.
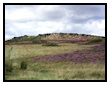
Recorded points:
(59, 35)
(17, 38)
(66, 35)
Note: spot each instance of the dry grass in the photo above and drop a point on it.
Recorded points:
(51, 70)
(60, 71)
(22, 51)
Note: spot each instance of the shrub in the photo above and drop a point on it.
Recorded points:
(72, 42)
(50, 44)
(8, 66)
(95, 50)
(23, 65)
(103, 41)
(95, 41)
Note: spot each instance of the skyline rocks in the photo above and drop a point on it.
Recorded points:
(58, 35)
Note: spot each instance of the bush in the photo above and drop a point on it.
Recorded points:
(95, 50)
(23, 65)
(103, 41)
(72, 42)
(8, 66)
(95, 41)
(50, 44)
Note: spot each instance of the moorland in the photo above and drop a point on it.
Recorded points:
(55, 56)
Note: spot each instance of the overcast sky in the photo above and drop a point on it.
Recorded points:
(39, 19)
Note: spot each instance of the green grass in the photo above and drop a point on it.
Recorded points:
(95, 50)
(50, 70)
(97, 41)
(8, 62)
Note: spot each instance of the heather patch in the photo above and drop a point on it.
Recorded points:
(94, 55)
(68, 61)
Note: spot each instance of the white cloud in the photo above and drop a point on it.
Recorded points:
(8, 37)
(20, 14)
(39, 19)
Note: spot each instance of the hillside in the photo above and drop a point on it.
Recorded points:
(50, 36)
(55, 56)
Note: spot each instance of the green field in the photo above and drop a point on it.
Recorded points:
(48, 70)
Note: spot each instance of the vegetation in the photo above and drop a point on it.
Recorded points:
(8, 41)
(23, 65)
(96, 50)
(8, 66)
(39, 41)
(50, 44)
(49, 70)
(55, 59)
(72, 42)
(24, 39)
(97, 41)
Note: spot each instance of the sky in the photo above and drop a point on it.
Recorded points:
(32, 20)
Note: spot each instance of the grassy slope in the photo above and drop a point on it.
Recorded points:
(51, 70)
(59, 71)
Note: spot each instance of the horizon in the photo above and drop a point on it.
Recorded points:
(40, 19)
(51, 33)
